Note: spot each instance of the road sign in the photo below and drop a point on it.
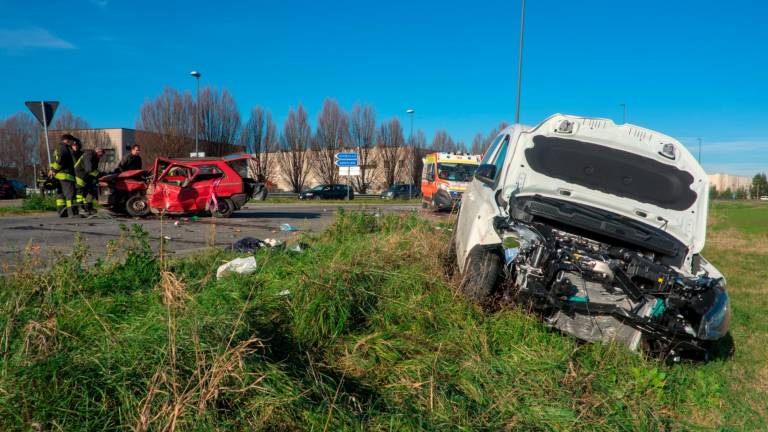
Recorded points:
(346, 155)
(43, 112)
(346, 162)
(349, 171)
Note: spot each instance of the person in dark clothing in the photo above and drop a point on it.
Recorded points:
(63, 170)
(131, 161)
(87, 178)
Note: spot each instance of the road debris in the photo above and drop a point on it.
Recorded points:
(245, 265)
(288, 227)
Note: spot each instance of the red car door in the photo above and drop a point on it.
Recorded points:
(172, 190)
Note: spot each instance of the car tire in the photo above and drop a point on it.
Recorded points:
(137, 206)
(224, 209)
(316, 197)
(480, 275)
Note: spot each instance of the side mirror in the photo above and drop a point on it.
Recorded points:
(486, 173)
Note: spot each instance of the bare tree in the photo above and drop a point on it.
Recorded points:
(259, 138)
(363, 138)
(418, 148)
(171, 116)
(478, 144)
(296, 139)
(219, 119)
(390, 142)
(20, 135)
(331, 137)
(65, 120)
(442, 142)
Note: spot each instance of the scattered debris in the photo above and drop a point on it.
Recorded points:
(245, 265)
(284, 293)
(167, 237)
(248, 244)
(299, 247)
(288, 227)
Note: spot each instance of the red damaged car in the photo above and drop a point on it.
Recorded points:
(184, 186)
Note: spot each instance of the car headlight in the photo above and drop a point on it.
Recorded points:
(715, 323)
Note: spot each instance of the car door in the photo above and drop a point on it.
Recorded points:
(478, 206)
(172, 190)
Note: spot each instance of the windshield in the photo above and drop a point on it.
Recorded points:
(317, 188)
(455, 171)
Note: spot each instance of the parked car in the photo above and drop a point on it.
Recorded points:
(328, 191)
(599, 228)
(11, 189)
(402, 191)
(182, 186)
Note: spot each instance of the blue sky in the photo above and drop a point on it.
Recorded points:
(686, 68)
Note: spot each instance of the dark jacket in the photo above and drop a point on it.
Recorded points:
(63, 165)
(87, 166)
(128, 163)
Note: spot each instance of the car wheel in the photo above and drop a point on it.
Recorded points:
(316, 197)
(224, 209)
(480, 274)
(137, 206)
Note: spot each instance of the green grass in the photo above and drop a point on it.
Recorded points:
(33, 203)
(360, 332)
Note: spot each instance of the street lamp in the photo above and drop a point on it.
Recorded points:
(699, 150)
(196, 75)
(410, 112)
(520, 63)
(625, 112)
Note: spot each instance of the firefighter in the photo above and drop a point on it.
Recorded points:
(63, 170)
(87, 173)
(131, 161)
(77, 156)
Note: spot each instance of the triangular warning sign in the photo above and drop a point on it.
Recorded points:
(37, 108)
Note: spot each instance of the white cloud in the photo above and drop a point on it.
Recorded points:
(33, 37)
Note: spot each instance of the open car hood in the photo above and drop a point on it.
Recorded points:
(630, 171)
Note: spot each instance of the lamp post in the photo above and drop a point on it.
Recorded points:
(699, 150)
(196, 75)
(625, 112)
(520, 63)
(410, 112)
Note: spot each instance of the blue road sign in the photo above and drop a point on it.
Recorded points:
(346, 155)
(346, 162)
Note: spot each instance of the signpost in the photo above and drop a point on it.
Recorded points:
(43, 112)
(347, 163)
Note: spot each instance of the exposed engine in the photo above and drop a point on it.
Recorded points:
(604, 290)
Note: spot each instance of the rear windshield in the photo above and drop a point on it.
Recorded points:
(612, 171)
(455, 171)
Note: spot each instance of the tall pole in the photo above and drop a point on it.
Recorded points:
(699, 150)
(410, 112)
(196, 74)
(625, 112)
(520, 63)
(45, 131)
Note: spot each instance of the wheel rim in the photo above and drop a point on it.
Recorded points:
(138, 205)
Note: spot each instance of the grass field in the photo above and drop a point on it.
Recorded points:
(359, 332)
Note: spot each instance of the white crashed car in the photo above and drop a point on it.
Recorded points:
(599, 228)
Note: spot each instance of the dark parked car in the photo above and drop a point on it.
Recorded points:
(10, 189)
(328, 191)
(402, 191)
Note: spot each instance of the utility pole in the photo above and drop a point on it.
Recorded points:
(699, 150)
(625, 112)
(196, 75)
(410, 112)
(520, 63)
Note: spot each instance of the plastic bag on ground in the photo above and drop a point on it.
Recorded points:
(238, 265)
(288, 227)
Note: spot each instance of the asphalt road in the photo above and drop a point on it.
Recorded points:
(47, 233)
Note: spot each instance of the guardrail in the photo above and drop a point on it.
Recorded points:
(295, 195)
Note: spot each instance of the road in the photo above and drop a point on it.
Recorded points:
(47, 233)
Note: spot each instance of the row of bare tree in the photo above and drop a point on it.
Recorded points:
(23, 150)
